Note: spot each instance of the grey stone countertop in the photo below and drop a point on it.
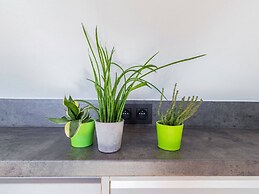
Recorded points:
(46, 152)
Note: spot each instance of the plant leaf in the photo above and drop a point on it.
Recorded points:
(85, 116)
(70, 114)
(67, 131)
(90, 105)
(72, 100)
(61, 120)
(72, 108)
(71, 128)
(142, 84)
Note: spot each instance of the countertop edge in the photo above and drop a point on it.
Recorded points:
(98, 168)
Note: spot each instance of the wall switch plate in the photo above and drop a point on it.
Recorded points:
(137, 114)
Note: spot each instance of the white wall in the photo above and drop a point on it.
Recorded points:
(43, 53)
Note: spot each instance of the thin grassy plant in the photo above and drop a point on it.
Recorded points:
(113, 90)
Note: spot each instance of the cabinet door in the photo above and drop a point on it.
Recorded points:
(50, 186)
(184, 185)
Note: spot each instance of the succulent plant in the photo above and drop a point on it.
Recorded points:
(177, 114)
(75, 116)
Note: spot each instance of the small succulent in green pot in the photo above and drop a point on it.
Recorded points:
(79, 126)
(171, 123)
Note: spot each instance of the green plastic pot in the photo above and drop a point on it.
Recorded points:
(169, 137)
(85, 135)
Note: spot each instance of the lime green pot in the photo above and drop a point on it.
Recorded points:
(85, 135)
(169, 137)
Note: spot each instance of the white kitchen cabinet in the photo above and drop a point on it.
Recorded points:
(184, 185)
(50, 185)
(131, 185)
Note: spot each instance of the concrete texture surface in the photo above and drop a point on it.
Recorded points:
(34, 113)
(46, 152)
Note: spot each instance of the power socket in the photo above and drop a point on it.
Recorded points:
(137, 114)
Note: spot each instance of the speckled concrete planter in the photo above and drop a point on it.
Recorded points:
(109, 136)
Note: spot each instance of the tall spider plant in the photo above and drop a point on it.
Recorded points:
(112, 93)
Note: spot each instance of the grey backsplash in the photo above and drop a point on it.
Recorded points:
(34, 113)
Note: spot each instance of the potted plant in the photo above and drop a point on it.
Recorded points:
(113, 91)
(79, 126)
(170, 124)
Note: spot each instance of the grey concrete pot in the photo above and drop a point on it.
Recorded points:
(109, 136)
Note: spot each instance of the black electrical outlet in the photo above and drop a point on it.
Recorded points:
(137, 113)
(142, 113)
(126, 114)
